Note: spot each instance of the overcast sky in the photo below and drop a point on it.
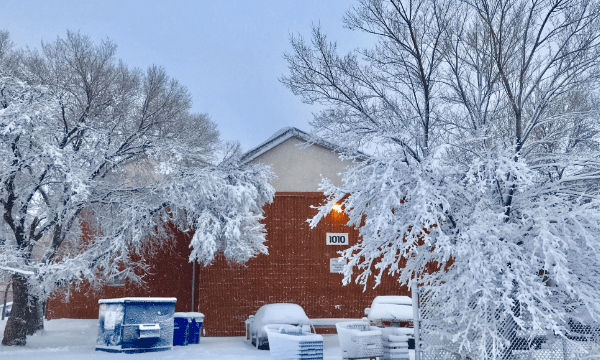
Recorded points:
(227, 53)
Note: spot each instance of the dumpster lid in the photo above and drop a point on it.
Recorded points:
(138, 299)
(189, 315)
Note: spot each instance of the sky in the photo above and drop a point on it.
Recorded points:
(229, 54)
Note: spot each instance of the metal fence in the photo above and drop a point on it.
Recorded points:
(577, 339)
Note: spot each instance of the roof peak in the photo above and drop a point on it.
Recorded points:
(282, 135)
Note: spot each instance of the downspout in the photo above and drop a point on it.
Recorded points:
(415, 306)
(193, 284)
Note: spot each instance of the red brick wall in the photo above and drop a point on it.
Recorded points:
(296, 270)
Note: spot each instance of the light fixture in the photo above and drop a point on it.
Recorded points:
(337, 207)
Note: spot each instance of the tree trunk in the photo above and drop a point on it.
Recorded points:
(34, 316)
(15, 332)
(26, 316)
(8, 285)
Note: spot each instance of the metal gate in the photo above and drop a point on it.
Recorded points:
(576, 339)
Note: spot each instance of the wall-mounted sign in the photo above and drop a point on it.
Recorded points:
(337, 239)
(336, 266)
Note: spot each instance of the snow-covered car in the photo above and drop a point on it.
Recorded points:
(393, 311)
(390, 309)
(290, 314)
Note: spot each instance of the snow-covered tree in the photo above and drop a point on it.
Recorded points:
(482, 121)
(95, 160)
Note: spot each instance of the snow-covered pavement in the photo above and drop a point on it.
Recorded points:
(75, 339)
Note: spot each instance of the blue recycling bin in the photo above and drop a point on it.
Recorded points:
(181, 329)
(187, 328)
(132, 325)
(197, 320)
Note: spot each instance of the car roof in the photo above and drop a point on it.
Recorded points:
(393, 299)
(282, 313)
(391, 308)
(280, 305)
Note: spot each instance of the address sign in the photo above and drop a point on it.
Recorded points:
(337, 239)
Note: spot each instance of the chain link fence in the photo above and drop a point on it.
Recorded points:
(577, 339)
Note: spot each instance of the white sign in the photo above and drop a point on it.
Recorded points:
(336, 266)
(337, 239)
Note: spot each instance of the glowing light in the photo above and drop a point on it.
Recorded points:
(337, 207)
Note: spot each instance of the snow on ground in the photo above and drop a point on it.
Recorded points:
(76, 339)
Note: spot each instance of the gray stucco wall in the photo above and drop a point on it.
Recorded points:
(299, 169)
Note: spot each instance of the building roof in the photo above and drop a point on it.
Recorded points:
(283, 135)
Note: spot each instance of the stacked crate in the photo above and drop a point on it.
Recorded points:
(395, 344)
(288, 342)
(359, 340)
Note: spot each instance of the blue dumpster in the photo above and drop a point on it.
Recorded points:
(131, 325)
(187, 328)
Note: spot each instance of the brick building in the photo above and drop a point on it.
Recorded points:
(299, 268)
